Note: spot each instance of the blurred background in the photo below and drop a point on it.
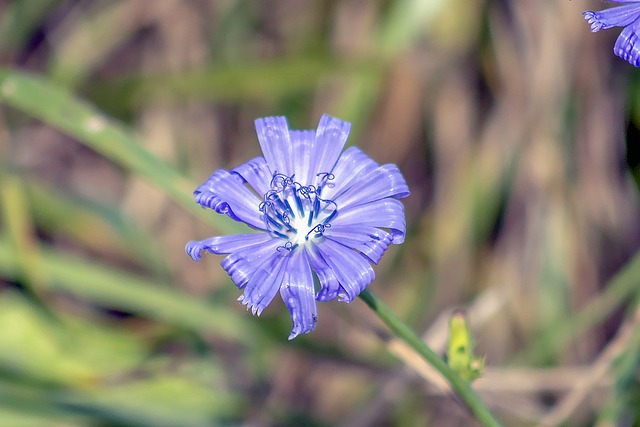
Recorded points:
(516, 128)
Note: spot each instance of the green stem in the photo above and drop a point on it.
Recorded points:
(462, 388)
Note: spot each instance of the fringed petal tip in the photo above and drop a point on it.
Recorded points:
(327, 294)
(193, 249)
(619, 16)
(592, 19)
(295, 332)
(344, 297)
(397, 237)
(256, 307)
(330, 124)
(303, 325)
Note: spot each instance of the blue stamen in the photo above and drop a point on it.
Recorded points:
(316, 207)
(272, 222)
(330, 217)
(284, 236)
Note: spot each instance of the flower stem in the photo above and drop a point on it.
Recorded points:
(462, 388)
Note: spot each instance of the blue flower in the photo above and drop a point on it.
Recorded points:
(627, 16)
(315, 211)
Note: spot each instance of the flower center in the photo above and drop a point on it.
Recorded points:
(296, 212)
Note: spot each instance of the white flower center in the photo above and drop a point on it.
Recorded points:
(296, 213)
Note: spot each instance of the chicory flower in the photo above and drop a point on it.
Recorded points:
(315, 211)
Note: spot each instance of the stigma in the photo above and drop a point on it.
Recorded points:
(297, 213)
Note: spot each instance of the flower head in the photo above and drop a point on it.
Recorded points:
(315, 211)
(627, 16)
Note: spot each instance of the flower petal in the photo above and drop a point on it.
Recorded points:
(304, 153)
(257, 173)
(303, 142)
(352, 270)
(225, 244)
(385, 181)
(241, 264)
(330, 138)
(386, 213)
(264, 283)
(329, 284)
(298, 294)
(619, 16)
(627, 45)
(226, 193)
(352, 164)
(273, 134)
(369, 241)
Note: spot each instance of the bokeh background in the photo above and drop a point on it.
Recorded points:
(516, 128)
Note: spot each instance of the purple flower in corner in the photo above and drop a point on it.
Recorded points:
(627, 46)
(315, 210)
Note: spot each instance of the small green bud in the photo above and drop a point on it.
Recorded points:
(460, 350)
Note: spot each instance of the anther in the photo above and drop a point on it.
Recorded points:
(287, 247)
(318, 229)
(324, 177)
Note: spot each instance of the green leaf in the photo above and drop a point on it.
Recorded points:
(41, 99)
(67, 351)
(94, 225)
(160, 401)
(126, 292)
